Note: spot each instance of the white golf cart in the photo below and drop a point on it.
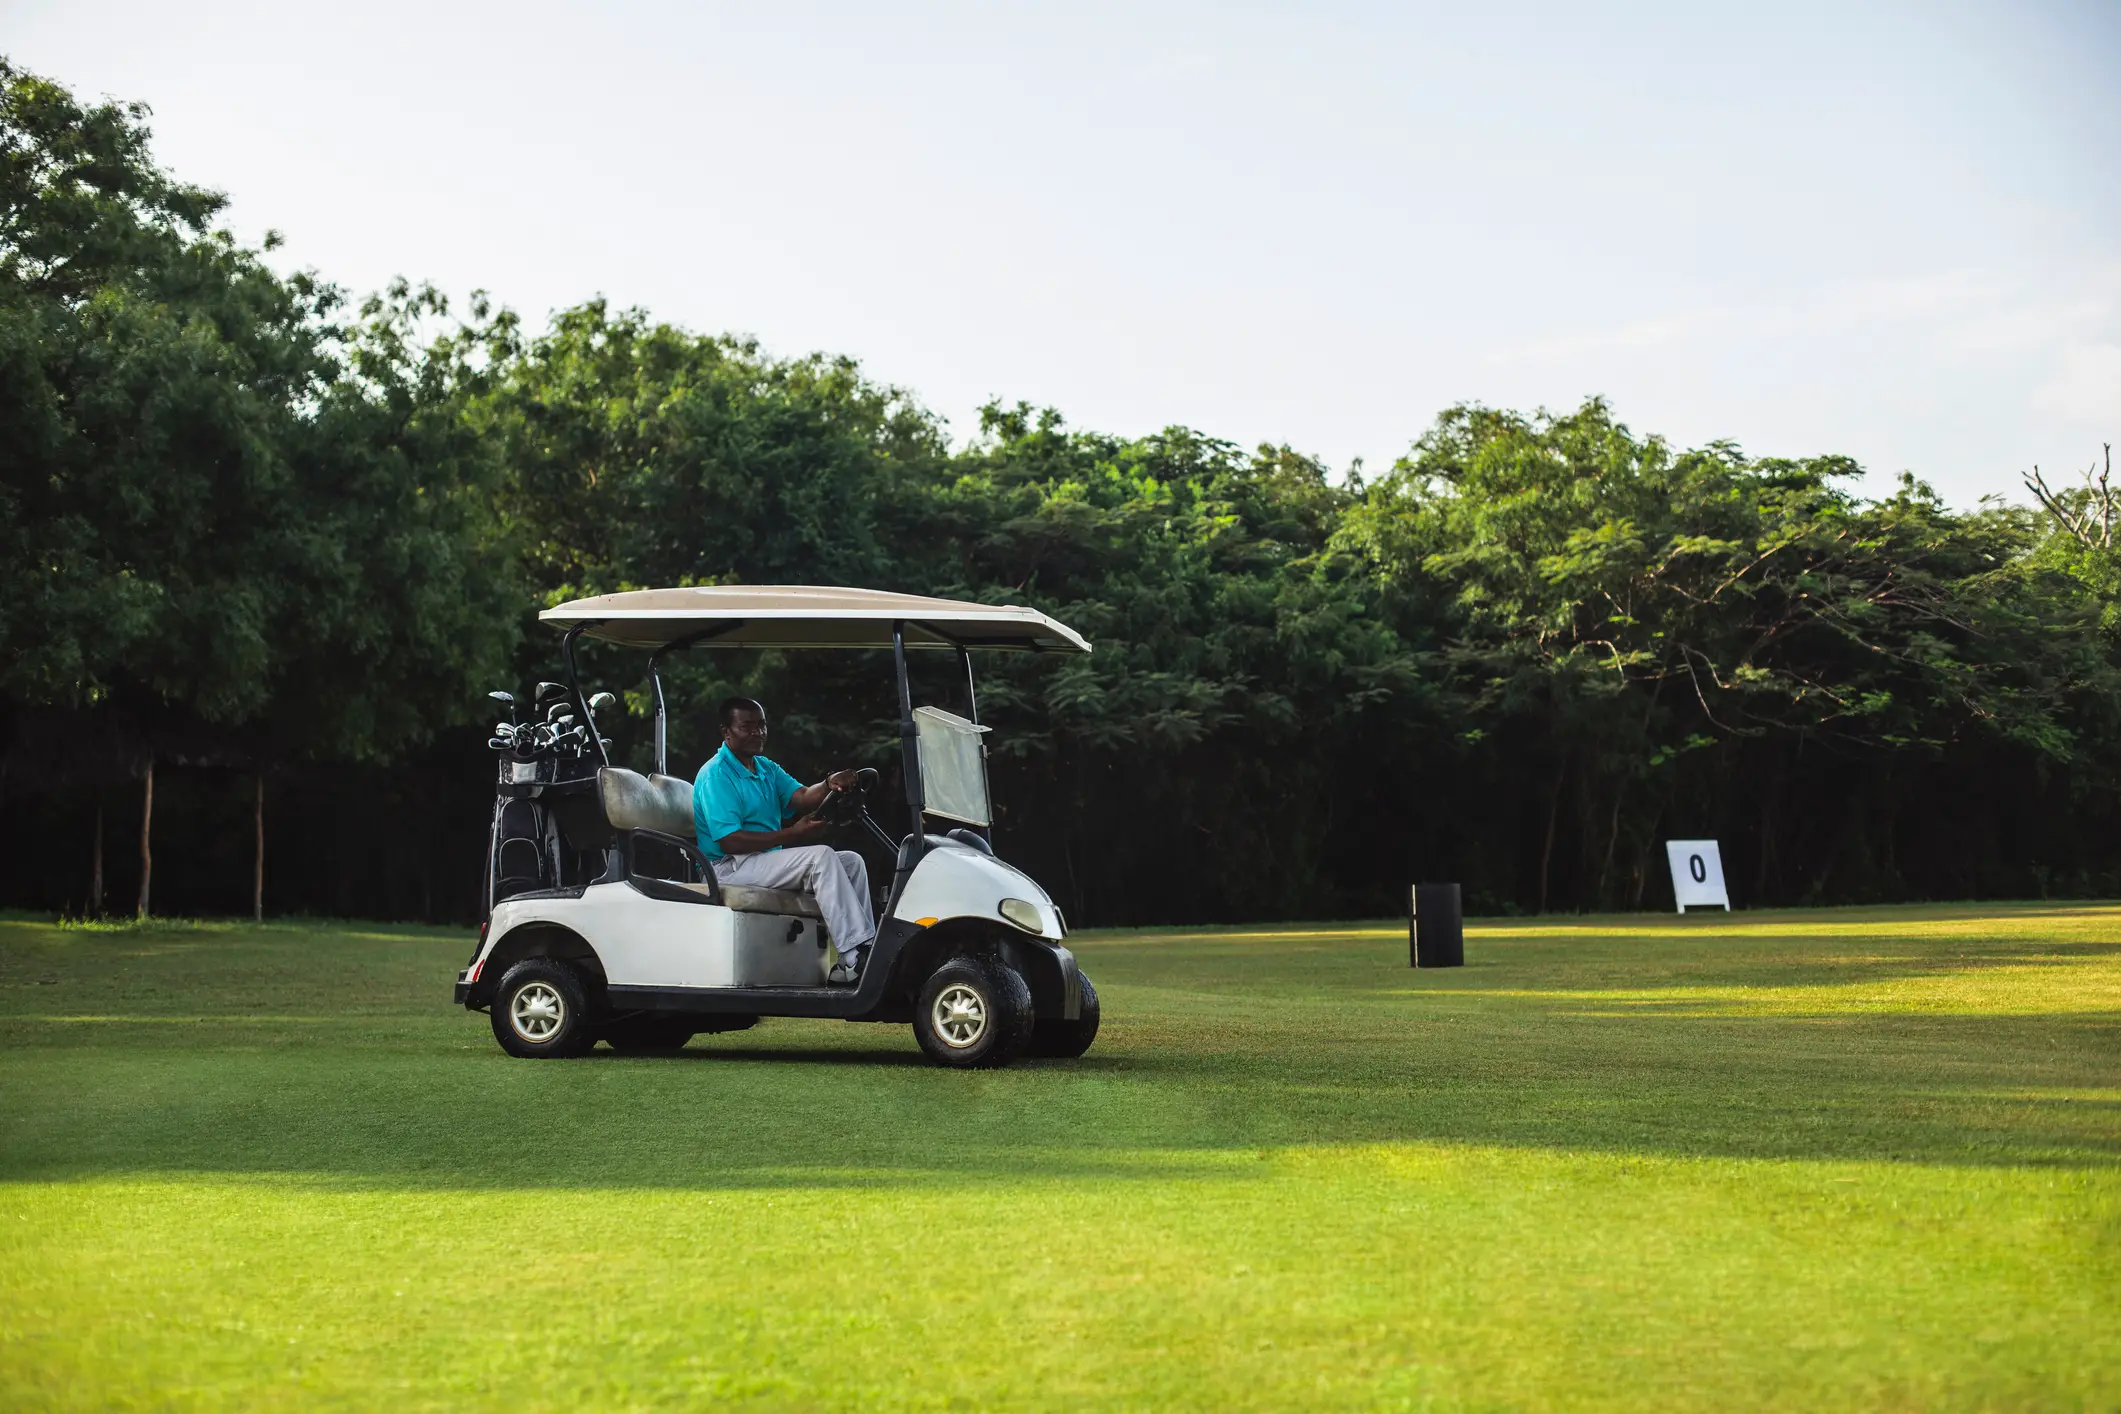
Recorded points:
(605, 923)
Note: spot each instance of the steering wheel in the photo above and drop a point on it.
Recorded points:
(844, 807)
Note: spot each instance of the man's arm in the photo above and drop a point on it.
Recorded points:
(808, 798)
(799, 801)
(802, 831)
(718, 817)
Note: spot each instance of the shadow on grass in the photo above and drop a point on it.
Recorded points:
(349, 1067)
(1562, 965)
(786, 1111)
(796, 1055)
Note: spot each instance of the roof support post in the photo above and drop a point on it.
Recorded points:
(574, 682)
(662, 737)
(908, 737)
(964, 657)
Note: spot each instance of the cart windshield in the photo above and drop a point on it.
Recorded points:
(953, 766)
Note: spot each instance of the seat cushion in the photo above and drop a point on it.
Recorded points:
(746, 898)
(633, 801)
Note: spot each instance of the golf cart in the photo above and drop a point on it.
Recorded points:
(605, 922)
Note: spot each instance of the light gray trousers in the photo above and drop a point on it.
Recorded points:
(839, 878)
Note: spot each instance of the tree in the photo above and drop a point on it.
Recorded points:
(150, 370)
(1619, 609)
(247, 524)
(235, 531)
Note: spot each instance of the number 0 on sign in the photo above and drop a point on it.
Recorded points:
(1697, 874)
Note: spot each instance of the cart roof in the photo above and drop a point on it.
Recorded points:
(808, 616)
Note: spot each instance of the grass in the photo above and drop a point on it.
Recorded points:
(1859, 1158)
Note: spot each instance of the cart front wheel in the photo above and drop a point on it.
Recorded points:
(1065, 1040)
(973, 1013)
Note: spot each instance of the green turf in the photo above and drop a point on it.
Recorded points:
(1796, 1160)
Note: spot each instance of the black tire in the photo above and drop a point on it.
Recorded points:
(554, 1022)
(1065, 1040)
(973, 1013)
(649, 1035)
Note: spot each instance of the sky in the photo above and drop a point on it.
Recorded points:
(1891, 231)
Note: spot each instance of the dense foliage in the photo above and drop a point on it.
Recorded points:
(250, 531)
(234, 527)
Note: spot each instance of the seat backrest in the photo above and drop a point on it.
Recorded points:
(633, 801)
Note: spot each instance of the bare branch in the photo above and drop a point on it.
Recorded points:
(2106, 497)
(2037, 484)
(2092, 524)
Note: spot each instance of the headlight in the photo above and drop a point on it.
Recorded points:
(1024, 915)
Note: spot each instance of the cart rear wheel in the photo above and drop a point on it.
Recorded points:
(540, 1011)
(973, 1012)
(646, 1035)
(1065, 1040)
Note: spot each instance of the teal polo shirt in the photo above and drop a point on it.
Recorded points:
(727, 798)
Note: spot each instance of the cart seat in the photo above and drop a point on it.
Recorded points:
(633, 801)
(748, 898)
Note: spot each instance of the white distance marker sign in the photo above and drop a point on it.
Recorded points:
(1697, 874)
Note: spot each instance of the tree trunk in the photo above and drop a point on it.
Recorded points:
(257, 877)
(147, 850)
(1612, 843)
(1642, 860)
(95, 868)
(1767, 835)
(1546, 848)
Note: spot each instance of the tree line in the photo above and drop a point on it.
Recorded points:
(270, 547)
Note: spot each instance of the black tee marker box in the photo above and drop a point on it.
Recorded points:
(1436, 926)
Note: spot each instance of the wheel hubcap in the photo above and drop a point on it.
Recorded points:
(960, 1016)
(537, 1012)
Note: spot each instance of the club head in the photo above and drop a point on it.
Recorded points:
(602, 700)
(547, 691)
(507, 698)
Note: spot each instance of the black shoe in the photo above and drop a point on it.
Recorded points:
(847, 972)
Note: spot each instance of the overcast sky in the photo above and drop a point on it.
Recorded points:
(1888, 230)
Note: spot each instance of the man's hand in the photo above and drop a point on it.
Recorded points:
(810, 798)
(798, 832)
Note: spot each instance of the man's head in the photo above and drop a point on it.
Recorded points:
(743, 726)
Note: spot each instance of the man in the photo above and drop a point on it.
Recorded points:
(741, 805)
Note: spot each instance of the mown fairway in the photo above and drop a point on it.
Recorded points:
(1796, 1160)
